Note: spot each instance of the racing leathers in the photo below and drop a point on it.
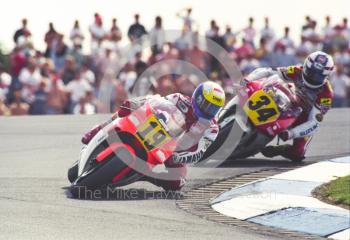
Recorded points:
(199, 134)
(316, 103)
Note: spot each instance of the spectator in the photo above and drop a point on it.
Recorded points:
(210, 33)
(157, 36)
(346, 29)
(268, 33)
(229, 39)
(120, 95)
(73, 79)
(186, 17)
(76, 35)
(339, 39)
(136, 30)
(77, 54)
(85, 106)
(87, 74)
(249, 32)
(342, 56)
(341, 87)
(310, 35)
(185, 41)
(77, 89)
(198, 58)
(98, 34)
(280, 57)
(69, 69)
(5, 81)
(29, 78)
(50, 36)
(58, 52)
(18, 60)
(47, 68)
(4, 110)
(106, 61)
(56, 97)
(140, 65)
(287, 41)
(18, 106)
(38, 106)
(245, 50)
(327, 30)
(304, 49)
(263, 54)
(308, 23)
(23, 31)
(115, 34)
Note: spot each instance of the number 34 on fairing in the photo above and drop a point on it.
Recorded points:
(261, 108)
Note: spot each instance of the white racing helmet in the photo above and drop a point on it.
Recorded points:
(317, 67)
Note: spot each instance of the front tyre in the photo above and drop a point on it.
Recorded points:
(103, 173)
(73, 172)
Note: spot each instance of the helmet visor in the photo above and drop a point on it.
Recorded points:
(314, 78)
(207, 108)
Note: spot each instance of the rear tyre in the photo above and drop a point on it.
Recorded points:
(102, 174)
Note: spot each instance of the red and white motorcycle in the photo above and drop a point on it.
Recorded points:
(124, 150)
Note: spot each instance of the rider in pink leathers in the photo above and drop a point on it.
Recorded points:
(312, 80)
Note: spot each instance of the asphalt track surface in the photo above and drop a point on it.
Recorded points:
(35, 153)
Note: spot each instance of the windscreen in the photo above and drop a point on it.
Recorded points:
(168, 115)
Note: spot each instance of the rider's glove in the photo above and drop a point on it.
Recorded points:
(243, 82)
(90, 134)
(285, 135)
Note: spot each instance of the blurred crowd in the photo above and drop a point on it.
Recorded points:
(62, 79)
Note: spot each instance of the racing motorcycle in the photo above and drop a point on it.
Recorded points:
(261, 110)
(126, 148)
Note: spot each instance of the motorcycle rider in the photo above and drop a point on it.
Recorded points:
(200, 126)
(312, 80)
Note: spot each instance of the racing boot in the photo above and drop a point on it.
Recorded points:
(285, 151)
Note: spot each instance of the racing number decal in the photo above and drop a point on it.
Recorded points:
(264, 100)
(152, 134)
(263, 113)
(261, 108)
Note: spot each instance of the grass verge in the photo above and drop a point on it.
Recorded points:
(336, 192)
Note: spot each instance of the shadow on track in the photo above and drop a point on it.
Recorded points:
(276, 162)
(111, 193)
(258, 162)
(252, 163)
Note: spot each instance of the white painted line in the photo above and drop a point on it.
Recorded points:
(343, 235)
(248, 206)
(319, 172)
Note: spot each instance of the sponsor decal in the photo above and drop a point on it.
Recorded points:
(326, 101)
(218, 100)
(182, 106)
(308, 131)
(290, 70)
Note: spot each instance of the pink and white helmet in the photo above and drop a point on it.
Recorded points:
(317, 67)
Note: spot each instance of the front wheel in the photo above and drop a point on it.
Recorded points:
(103, 173)
(73, 172)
